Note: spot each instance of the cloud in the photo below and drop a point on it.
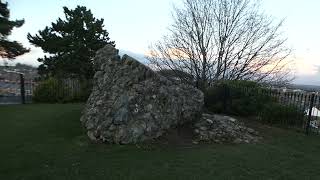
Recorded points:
(35, 53)
(307, 80)
(28, 58)
(312, 78)
(305, 67)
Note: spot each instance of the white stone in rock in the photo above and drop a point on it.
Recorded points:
(232, 119)
(209, 121)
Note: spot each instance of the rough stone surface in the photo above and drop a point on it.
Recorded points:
(219, 129)
(130, 103)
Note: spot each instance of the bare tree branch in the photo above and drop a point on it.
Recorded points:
(223, 40)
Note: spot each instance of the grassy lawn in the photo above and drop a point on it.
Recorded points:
(48, 142)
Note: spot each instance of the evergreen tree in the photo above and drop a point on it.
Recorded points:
(71, 43)
(9, 49)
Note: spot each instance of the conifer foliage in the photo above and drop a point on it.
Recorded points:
(9, 49)
(71, 44)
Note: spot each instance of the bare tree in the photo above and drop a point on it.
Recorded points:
(222, 40)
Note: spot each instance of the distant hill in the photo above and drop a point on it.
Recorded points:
(305, 87)
(29, 72)
(140, 57)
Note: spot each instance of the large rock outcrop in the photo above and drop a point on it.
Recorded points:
(130, 103)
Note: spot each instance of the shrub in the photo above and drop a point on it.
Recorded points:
(49, 91)
(244, 98)
(85, 90)
(287, 115)
(54, 90)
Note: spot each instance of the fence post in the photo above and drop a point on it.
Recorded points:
(225, 98)
(22, 90)
(310, 113)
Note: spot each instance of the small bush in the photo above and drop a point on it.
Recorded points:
(287, 115)
(46, 91)
(54, 90)
(244, 98)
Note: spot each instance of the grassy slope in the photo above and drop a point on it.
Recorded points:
(47, 142)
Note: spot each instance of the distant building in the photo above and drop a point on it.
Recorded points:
(10, 82)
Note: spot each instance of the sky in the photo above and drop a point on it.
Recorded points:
(135, 24)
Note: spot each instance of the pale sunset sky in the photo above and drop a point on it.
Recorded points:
(135, 24)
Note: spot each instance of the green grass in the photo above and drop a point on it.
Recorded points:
(47, 142)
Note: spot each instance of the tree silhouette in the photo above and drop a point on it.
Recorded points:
(9, 49)
(71, 44)
(216, 40)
